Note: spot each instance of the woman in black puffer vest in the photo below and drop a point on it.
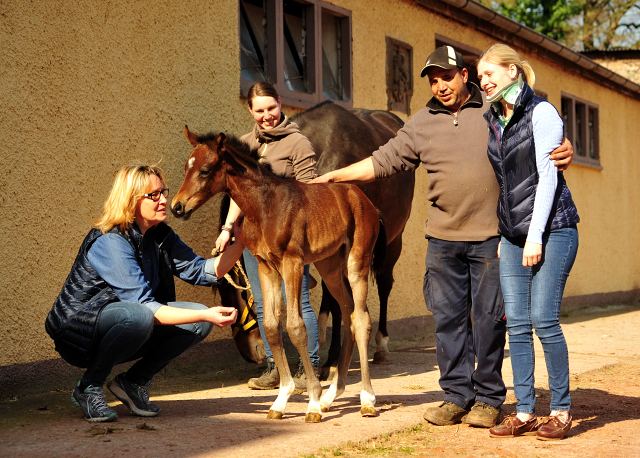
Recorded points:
(537, 222)
(118, 303)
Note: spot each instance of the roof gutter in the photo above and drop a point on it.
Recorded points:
(487, 20)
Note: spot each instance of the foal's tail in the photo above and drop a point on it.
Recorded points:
(380, 249)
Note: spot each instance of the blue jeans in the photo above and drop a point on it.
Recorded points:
(308, 315)
(533, 296)
(126, 332)
(462, 290)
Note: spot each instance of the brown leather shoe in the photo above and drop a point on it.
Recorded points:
(512, 426)
(553, 428)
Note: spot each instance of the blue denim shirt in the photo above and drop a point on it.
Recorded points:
(114, 260)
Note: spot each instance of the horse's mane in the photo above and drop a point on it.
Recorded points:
(234, 144)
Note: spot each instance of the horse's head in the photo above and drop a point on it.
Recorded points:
(205, 174)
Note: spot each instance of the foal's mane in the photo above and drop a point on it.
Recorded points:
(248, 156)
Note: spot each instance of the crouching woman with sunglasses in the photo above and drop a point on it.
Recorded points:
(118, 304)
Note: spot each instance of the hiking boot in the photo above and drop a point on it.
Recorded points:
(445, 414)
(269, 380)
(135, 397)
(92, 403)
(554, 428)
(300, 379)
(512, 426)
(482, 415)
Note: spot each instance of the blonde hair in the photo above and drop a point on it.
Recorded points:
(504, 55)
(131, 182)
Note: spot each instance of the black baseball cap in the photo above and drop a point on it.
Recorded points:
(444, 57)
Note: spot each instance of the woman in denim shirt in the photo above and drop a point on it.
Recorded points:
(118, 303)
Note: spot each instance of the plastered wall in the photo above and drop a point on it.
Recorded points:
(89, 86)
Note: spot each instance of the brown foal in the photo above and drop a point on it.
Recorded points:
(289, 224)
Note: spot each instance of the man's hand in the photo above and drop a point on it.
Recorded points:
(562, 155)
(531, 254)
(326, 178)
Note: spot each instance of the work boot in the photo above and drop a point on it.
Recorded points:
(93, 405)
(445, 414)
(300, 379)
(269, 380)
(135, 397)
(482, 415)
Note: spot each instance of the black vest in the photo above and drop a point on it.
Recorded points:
(72, 321)
(514, 162)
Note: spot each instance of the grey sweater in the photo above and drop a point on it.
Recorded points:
(463, 189)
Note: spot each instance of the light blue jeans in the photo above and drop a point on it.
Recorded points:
(532, 297)
(308, 315)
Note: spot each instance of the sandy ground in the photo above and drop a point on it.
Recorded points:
(207, 410)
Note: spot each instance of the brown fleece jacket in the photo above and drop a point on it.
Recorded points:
(288, 152)
(463, 189)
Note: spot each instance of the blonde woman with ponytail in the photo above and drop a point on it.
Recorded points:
(539, 238)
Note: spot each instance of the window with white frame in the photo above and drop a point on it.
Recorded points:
(581, 127)
(303, 47)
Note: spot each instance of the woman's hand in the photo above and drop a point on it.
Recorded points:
(223, 241)
(222, 316)
(531, 254)
(499, 243)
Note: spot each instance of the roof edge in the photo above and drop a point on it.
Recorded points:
(485, 16)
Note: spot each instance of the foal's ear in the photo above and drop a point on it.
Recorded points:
(220, 139)
(191, 137)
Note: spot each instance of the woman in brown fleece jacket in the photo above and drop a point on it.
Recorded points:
(290, 155)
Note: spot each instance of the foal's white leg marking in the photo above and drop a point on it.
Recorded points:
(367, 399)
(285, 392)
(191, 161)
(329, 396)
(381, 343)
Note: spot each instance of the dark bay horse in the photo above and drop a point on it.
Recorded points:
(289, 224)
(341, 137)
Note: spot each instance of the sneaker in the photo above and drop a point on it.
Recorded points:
(269, 380)
(554, 428)
(482, 415)
(92, 403)
(300, 379)
(512, 426)
(136, 397)
(445, 414)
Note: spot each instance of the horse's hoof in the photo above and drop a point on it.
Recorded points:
(381, 357)
(324, 409)
(313, 417)
(274, 415)
(368, 412)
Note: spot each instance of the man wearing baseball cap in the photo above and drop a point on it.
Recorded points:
(462, 283)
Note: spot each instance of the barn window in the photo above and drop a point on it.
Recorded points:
(302, 47)
(581, 127)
